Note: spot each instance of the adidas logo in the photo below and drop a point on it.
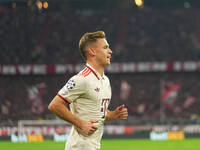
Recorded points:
(97, 89)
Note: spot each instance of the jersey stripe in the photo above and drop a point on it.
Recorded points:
(63, 98)
(84, 70)
(87, 73)
(93, 72)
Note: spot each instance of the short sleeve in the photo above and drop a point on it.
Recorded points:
(74, 88)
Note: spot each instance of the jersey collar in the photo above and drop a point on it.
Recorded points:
(95, 72)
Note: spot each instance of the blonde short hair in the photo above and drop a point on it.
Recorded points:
(87, 39)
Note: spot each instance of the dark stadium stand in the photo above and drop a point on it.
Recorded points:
(134, 35)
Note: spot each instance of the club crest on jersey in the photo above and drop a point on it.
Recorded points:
(71, 84)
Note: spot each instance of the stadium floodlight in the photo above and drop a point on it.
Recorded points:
(45, 5)
(139, 3)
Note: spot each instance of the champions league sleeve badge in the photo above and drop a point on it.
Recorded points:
(70, 84)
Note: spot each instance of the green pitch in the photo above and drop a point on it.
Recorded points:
(124, 144)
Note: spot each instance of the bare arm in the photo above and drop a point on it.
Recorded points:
(120, 113)
(58, 106)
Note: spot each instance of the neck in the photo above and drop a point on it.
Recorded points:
(97, 67)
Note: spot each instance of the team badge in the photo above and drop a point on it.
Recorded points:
(70, 84)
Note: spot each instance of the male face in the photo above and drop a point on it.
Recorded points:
(102, 52)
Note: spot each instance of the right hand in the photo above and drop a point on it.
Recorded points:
(88, 127)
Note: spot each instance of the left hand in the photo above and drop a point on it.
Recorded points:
(121, 113)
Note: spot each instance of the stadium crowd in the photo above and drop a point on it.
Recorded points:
(27, 97)
(134, 35)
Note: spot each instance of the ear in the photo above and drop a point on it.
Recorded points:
(91, 52)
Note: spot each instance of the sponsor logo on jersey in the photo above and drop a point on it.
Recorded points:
(97, 89)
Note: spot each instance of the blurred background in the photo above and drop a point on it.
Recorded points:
(155, 61)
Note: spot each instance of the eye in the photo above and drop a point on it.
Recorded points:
(106, 47)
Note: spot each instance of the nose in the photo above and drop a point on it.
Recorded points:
(110, 51)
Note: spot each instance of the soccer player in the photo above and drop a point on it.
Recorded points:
(89, 94)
